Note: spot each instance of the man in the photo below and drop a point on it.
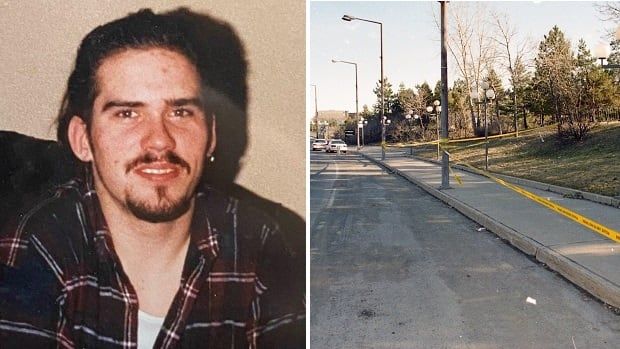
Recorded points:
(138, 251)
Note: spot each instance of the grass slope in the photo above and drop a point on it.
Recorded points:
(592, 165)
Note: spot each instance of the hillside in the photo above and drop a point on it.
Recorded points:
(592, 165)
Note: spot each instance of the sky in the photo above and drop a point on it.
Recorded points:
(411, 43)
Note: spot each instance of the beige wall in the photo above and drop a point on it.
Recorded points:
(38, 41)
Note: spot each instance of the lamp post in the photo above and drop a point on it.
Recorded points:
(360, 125)
(410, 115)
(352, 18)
(322, 125)
(357, 134)
(316, 112)
(437, 108)
(489, 94)
(415, 117)
(384, 122)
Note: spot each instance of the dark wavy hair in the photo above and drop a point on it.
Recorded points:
(210, 44)
(142, 29)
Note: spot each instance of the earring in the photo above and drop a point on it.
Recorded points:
(212, 158)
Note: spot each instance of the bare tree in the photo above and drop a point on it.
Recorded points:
(471, 45)
(610, 10)
(512, 56)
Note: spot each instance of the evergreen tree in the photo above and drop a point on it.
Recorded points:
(425, 94)
(593, 89)
(614, 58)
(437, 91)
(521, 80)
(553, 77)
(495, 83)
(403, 101)
(388, 97)
(366, 112)
(458, 105)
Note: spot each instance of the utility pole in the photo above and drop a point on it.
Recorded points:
(445, 159)
(316, 113)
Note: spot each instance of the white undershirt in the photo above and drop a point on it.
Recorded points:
(148, 329)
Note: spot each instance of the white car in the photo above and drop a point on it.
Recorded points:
(336, 145)
(319, 144)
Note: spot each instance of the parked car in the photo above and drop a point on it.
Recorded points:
(336, 145)
(319, 144)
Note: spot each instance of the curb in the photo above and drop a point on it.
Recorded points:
(595, 284)
(569, 192)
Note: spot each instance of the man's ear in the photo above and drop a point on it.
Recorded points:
(78, 139)
(212, 137)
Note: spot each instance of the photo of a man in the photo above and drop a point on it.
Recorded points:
(149, 242)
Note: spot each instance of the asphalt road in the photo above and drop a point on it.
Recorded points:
(393, 267)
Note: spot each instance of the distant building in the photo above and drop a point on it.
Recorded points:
(335, 120)
(333, 115)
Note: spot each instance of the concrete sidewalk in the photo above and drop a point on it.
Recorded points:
(586, 258)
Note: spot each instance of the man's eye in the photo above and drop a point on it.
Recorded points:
(182, 112)
(127, 114)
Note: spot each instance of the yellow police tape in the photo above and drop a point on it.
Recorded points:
(504, 135)
(587, 222)
(454, 174)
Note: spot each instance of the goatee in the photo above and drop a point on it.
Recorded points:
(164, 211)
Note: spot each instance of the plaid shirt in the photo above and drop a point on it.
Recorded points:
(63, 286)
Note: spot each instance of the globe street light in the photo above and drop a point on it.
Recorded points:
(360, 125)
(322, 125)
(437, 108)
(489, 94)
(384, 122)
(415, 117)
(349, 18)
(357, 134)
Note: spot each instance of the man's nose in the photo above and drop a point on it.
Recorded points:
(158, 136)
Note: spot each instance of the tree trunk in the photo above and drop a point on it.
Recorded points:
(499, 124)
(514, 102)
(472, 115)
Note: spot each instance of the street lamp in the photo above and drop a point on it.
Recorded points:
(349, 18)
(316, 112)
(322, 125)
(410, 115)
(356, 100)
(489, 94)
(360, 125)
(437, 108)
(384, 122)
(415, 117)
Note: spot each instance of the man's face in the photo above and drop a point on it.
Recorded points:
(148, 135)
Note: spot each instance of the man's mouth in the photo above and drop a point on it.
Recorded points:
(162, 168)
(158, 171)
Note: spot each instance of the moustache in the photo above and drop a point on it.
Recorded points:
(147, 158)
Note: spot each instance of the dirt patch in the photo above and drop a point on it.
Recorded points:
(367, 314)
